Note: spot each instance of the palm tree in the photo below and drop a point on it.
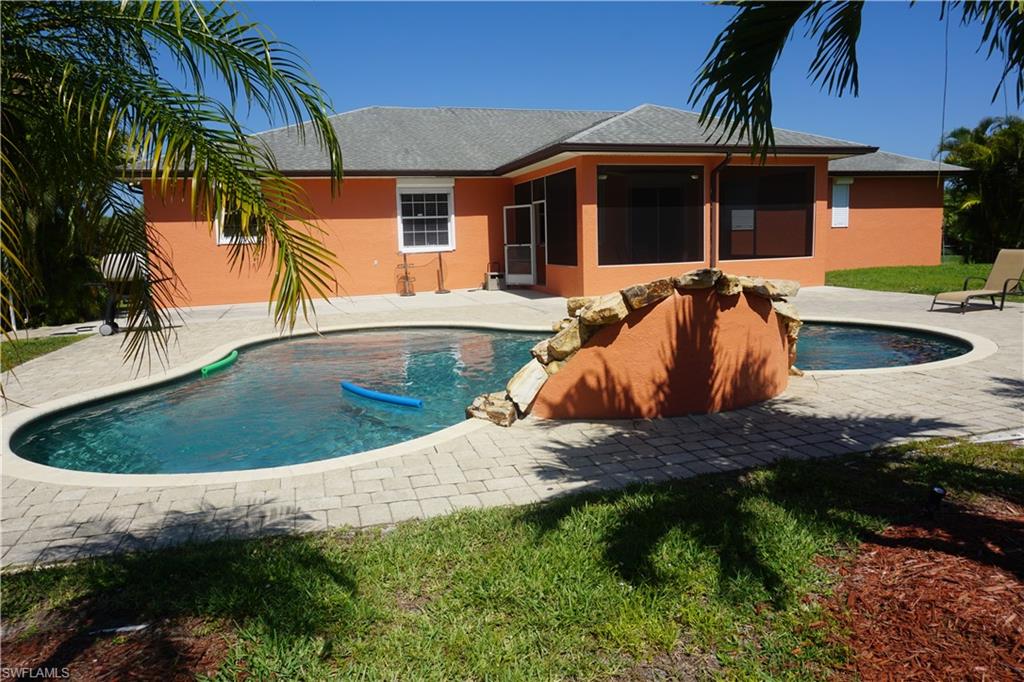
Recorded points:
(733, 87)
(85, 110)
(985, 209)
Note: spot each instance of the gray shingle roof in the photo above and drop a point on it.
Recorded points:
(438, 139)
(650, 124)
(389, 140)
(887, 163)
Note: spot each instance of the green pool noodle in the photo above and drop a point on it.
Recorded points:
(223, 363)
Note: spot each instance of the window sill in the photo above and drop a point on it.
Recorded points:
(237, 242)
(427, 249)
(651, 265)
(765, 258)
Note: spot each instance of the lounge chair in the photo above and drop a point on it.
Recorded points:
(1004, 277)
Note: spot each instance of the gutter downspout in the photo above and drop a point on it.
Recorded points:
(714, 208)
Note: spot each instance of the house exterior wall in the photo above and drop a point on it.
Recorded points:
(360, 227)
(593, 279)
(893, 221)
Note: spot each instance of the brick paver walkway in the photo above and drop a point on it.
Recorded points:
(534, 460)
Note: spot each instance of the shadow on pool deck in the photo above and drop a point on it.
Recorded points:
(1008, 387)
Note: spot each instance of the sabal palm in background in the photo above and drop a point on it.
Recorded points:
(83, 100)
(985, 209)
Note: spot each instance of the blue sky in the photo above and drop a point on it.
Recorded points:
(617, 55)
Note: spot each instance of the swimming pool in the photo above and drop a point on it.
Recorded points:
(281, 403)
(835, 346)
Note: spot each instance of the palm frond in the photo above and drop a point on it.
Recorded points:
(1002, 34)
(733, 86)
(84, 100)
(837, 25)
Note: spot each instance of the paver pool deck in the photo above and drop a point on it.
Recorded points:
(817, 416)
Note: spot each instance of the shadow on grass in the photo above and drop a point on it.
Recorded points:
(757, 522)
(288, 586)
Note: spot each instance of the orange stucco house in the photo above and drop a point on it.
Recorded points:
(575, 202)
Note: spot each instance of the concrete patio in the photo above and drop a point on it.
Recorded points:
(818, 416)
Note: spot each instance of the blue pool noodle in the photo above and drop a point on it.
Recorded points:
(383, 397)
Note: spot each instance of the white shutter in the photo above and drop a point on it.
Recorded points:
(840, 205)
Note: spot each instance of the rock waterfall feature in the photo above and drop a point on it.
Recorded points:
(702, 342)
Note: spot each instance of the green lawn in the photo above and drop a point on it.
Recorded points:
(926, 279)
(14, 353)
(718, 573)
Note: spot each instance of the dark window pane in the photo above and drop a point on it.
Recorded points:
(560, 195)
(540, 222)
(650, 214)
(538, 189)
(522, 193)
(766, 212)
(231, 229)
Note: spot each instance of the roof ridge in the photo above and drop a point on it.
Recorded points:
(941, 162)
(560, 140)
(804, 132)
(603, 123)
(436, 109)
(785, 130)
(464, 108)
(907, 156)
(303, 123)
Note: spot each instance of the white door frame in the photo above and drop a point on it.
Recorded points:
(520, 279)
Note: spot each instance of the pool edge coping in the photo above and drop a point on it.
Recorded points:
(12, 464)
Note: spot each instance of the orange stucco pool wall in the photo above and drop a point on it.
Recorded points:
(893, 221)
(695, 352)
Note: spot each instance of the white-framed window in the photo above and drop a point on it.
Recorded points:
(228, 228)
(841, 202)
(426, 215)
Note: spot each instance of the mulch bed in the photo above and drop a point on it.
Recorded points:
(942, 599)
(170, 650)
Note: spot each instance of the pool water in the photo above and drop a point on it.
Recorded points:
(281, 403)
(824, 346)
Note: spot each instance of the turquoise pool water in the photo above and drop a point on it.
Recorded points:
(281, 403)
(850, 346)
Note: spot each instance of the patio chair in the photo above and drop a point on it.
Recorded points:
(1004, 277)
